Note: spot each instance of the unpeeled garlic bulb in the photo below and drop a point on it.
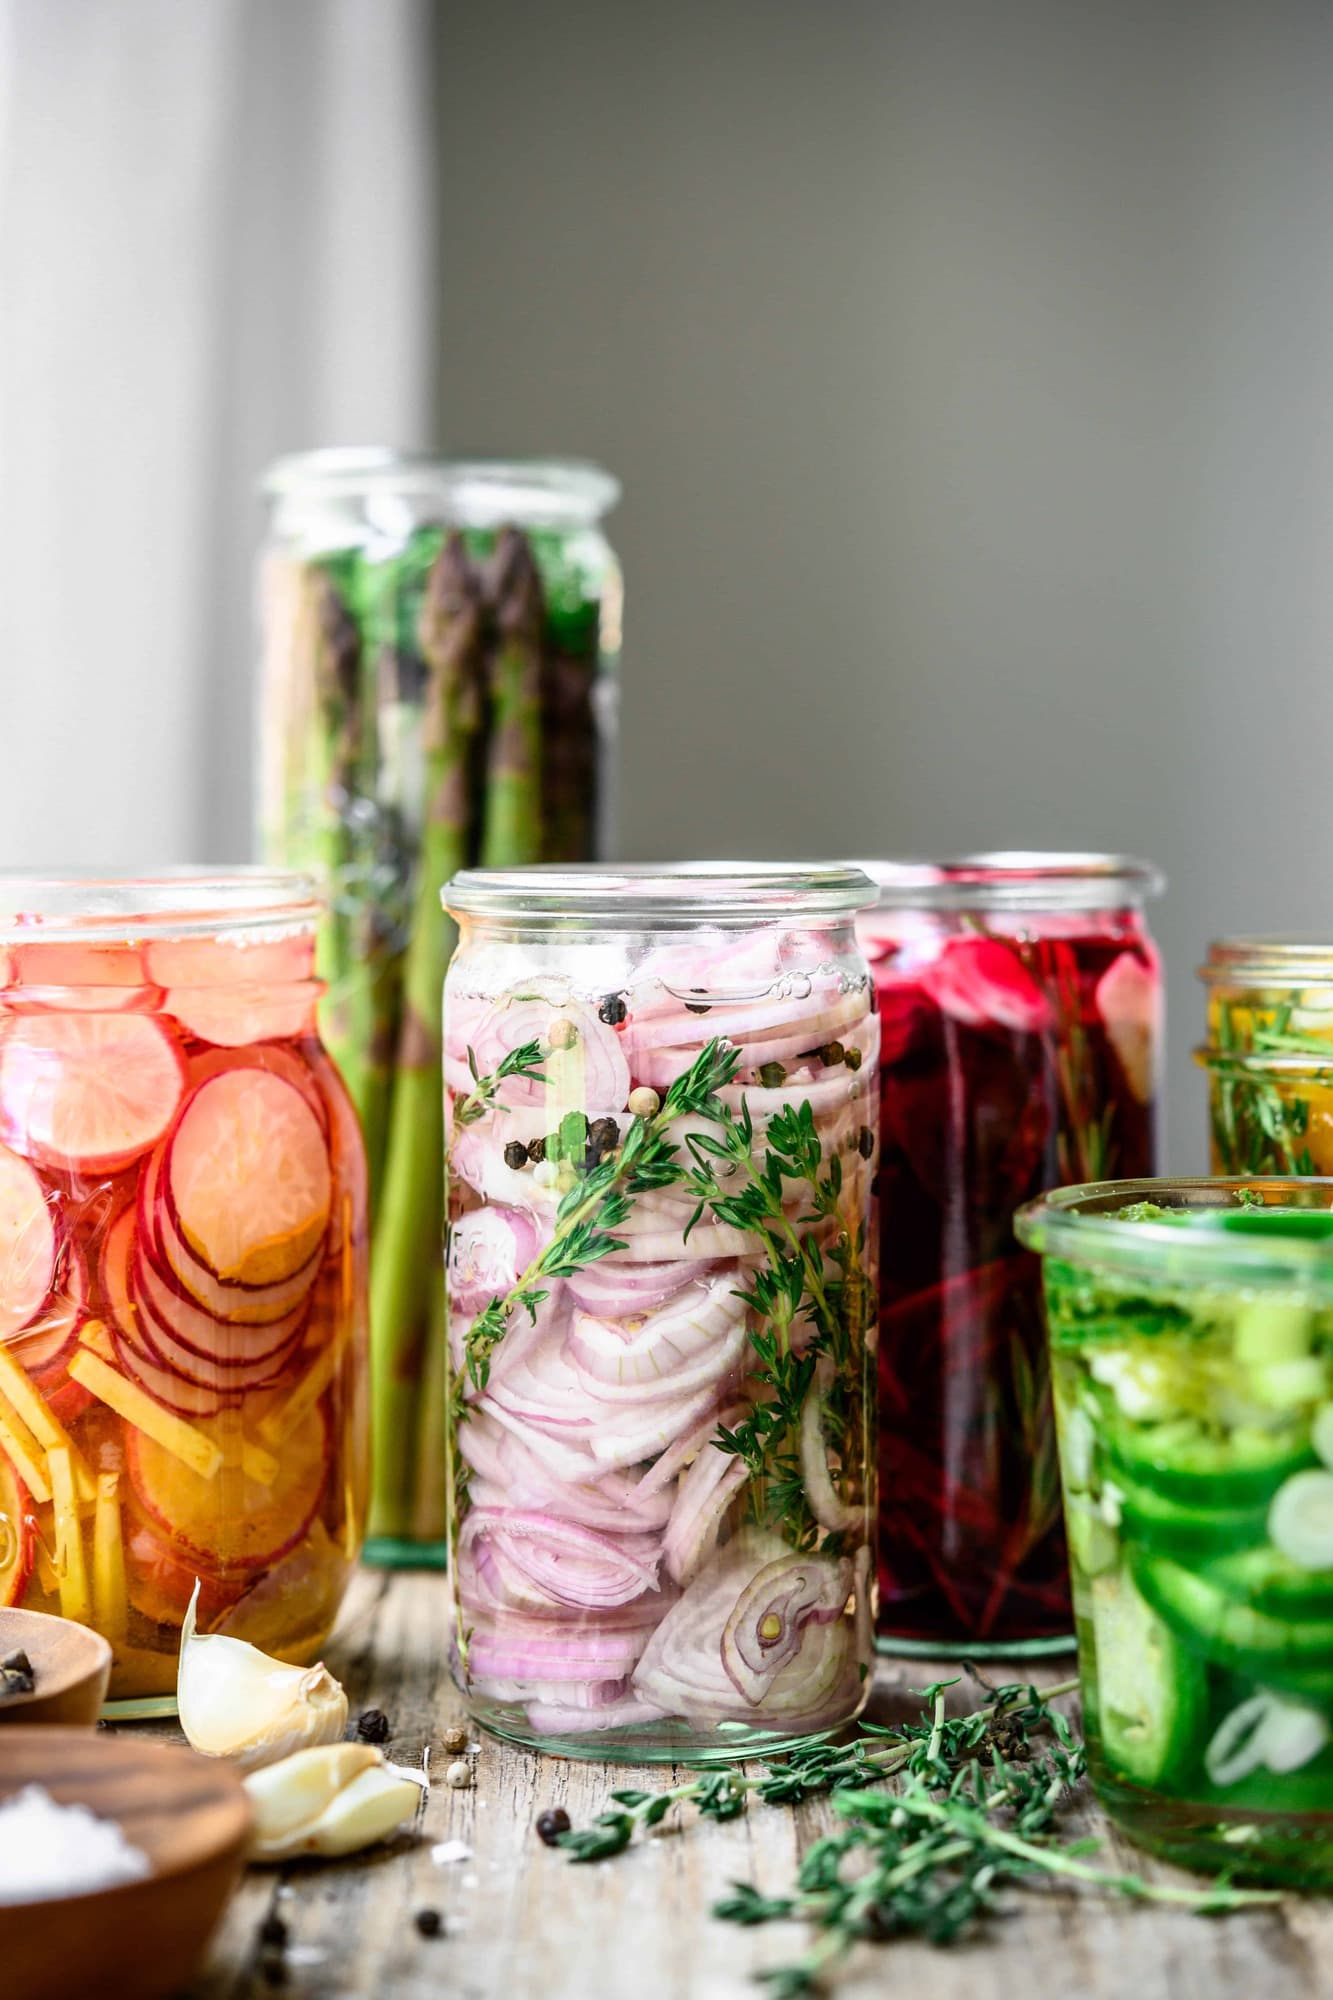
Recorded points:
(238, 1703)
(330, 1800)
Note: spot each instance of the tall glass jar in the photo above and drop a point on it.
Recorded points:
(1269, 1055)
(438, 690)
(661, 1103)
(182, 1267)
(1020, 1007)
(1191, 1329)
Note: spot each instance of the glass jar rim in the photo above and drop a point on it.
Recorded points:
(1083, 1225)
(645, 895)
(66, 907)
(1285, 959)
(482, 492)
(1015, 879)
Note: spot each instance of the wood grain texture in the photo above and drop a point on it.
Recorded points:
(522, 1924)
(71, 1668)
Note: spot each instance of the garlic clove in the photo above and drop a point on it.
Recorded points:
(329, 1801)
(239, 1703)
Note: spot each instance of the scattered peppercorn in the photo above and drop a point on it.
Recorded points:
(373, 1726)
(612, 1010)
(603, 1134)
(17, 1661)
(865, 1142)
(771, 1075)
(563, 1035)
(551, 1824)
(853, 1058)
(16, 1676)
(832, 1054)
(455, 1740)
(429, 1922)
(536, 1151)
(644, 1102)
(273, 1933)
(459, 1775)
(516, 1154)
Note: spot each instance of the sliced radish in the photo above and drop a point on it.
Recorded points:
(45, 1344)
(231, 1521)
(27, 1243)
(226, 1379)
(16, 1535)
(88, 1093)
(223, 1343)
(248, 1305)
(233, 1017)
(284, 1063)
(1300, 1520)
(248, 1181)
(81, 978)
(164, 1385)
(161, 1582)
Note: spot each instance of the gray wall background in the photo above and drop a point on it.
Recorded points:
(970, 372)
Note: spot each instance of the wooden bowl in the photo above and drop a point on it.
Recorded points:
(70, 1668)
(190, 1816)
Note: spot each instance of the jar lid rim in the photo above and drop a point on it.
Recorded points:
(69, 906)
(1086, 1226)
(1015, 878)
(495, 489)
(644, 893)
(1282, 958)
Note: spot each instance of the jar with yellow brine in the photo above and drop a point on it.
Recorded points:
(1269, 1055)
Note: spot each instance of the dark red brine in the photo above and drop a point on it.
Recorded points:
(1020, 999)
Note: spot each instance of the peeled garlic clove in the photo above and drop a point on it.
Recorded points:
(329, 1801)
(238, 1703)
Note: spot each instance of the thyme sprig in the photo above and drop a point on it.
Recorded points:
(1260, 1123)
(979, 1810)
(524, 1061)
(600, 1201)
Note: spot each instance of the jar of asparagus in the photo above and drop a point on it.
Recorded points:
(439, 643)
(661, 1098)
(1269, 1055)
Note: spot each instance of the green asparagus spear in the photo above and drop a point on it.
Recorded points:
(337, 678)
(512, 820)
(406, 1269)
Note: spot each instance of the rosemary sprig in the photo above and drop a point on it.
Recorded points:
(1259, 1124)
(525, 1061)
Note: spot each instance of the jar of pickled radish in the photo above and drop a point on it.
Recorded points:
(1269, 1055)
(440, 641)
(1020, 1005)
(182, 1267)
(661, 1101)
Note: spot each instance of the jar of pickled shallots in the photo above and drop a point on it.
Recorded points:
(1269, 1054)
(661, 1103)
(182, 1267)
(440, 641)
(1020, 1004)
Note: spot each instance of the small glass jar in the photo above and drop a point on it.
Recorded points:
(182, 1267)
(661, 1104)
(1269, 1055)
(1020, 1006)
(438, 688)
(1191, 1331)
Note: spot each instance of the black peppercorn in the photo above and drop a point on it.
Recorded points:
(853, 1058)
(551, 1824)
(373, 1726)
(273, 1933)
(612, 1010)
(696, 1006)
(17, 1662)
(603, 1136)
(865, 1142)
(516, 1154)
(771, 1075)
(536, 1150)
(429, 1922)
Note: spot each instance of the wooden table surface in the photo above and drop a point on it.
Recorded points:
(521, 1923)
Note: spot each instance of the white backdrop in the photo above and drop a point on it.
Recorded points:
(216, 235)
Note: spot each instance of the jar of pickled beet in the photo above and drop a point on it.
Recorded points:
(440, 642)
(661, 1102)
(182, 1267)
(1191, 1333)
(1020, 1004)
(1269, 1055)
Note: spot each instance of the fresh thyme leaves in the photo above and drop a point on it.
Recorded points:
(524, 1061)
(978, 1810)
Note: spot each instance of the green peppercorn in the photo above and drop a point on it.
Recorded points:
(772, 1075)
(832, 1054)
(853, 1058)
(516, 1154)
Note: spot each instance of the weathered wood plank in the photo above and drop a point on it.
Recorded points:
(521, 1924)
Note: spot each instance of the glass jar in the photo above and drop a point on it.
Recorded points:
(182, 1267)
(662, 1097)
(1191, 1331)
(1269, 1055)
(438, 689)
(1020, 1007)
